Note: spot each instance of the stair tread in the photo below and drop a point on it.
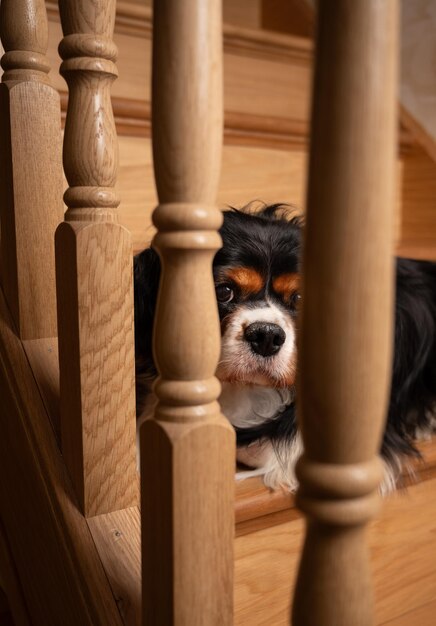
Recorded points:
(254, 500)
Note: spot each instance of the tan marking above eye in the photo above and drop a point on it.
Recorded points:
(247, 279)
(286, 284)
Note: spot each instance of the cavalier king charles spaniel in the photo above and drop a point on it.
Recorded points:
(257, 274)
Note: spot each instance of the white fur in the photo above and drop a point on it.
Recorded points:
(239, 363)
(277, 466)
(250, 405)
(425, 434)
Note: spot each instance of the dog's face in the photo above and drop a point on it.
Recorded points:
(256, 280)
(257, 289)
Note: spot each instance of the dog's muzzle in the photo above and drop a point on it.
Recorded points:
(265, 338)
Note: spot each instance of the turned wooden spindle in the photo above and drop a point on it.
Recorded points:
(30, 169)
(187, 450)
(94, 274)
(346, 337)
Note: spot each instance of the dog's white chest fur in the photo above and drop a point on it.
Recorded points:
(246, 406)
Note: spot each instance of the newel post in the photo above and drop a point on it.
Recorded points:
(347, 320)
(188, 449)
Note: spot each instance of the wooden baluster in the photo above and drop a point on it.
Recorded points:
(347, 305)
(30, 169)
(94, 274)
(187, 450)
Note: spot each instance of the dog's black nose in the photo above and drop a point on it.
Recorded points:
(264, 338)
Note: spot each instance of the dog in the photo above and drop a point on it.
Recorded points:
(257, 275)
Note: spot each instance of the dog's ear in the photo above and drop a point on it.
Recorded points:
(146, 272)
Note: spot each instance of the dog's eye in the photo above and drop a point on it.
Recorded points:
(224, 293)
(295, 299)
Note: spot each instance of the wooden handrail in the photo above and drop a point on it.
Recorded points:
(94, 274)
(346, 337)
(187, 450)
(30, 169)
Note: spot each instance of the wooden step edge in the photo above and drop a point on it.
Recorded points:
(117, 535)
(253, 500)
(256, 502)
(132, 116)
(133, 119)
(135, 19)
(417, 132)
(424, 249)
(48, 538)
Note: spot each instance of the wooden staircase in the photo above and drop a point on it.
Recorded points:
(269, 530)
(267, 78)
(267, 84)
(402, 543)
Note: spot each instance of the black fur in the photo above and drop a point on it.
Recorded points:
(271, 238)
(413, 390)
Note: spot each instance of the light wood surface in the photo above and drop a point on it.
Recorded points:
(248, 173)
(422, 616)
(401, 545)
(263, 592)
(256, 80)
(188, 449)
(264, 149)
(418, 86)
(94, 275)
(421, 135)
(30, 169)
(118, 541)
(55, 558)
(419, 205)
(346, 325)
(269, 533)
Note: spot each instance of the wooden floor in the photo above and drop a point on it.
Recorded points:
(402, 546)
(269, 533)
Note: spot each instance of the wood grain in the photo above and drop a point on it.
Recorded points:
(94, 275)
(421, 616)
(43, 356)
(402, 554)
(346, 322)
(257, 78)
(188, 449)
(30, 169)
(265, 151)
(253, 500)
(248, 173)
(268, 523)
(402, 545)
(117, 537)
(49, 541)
